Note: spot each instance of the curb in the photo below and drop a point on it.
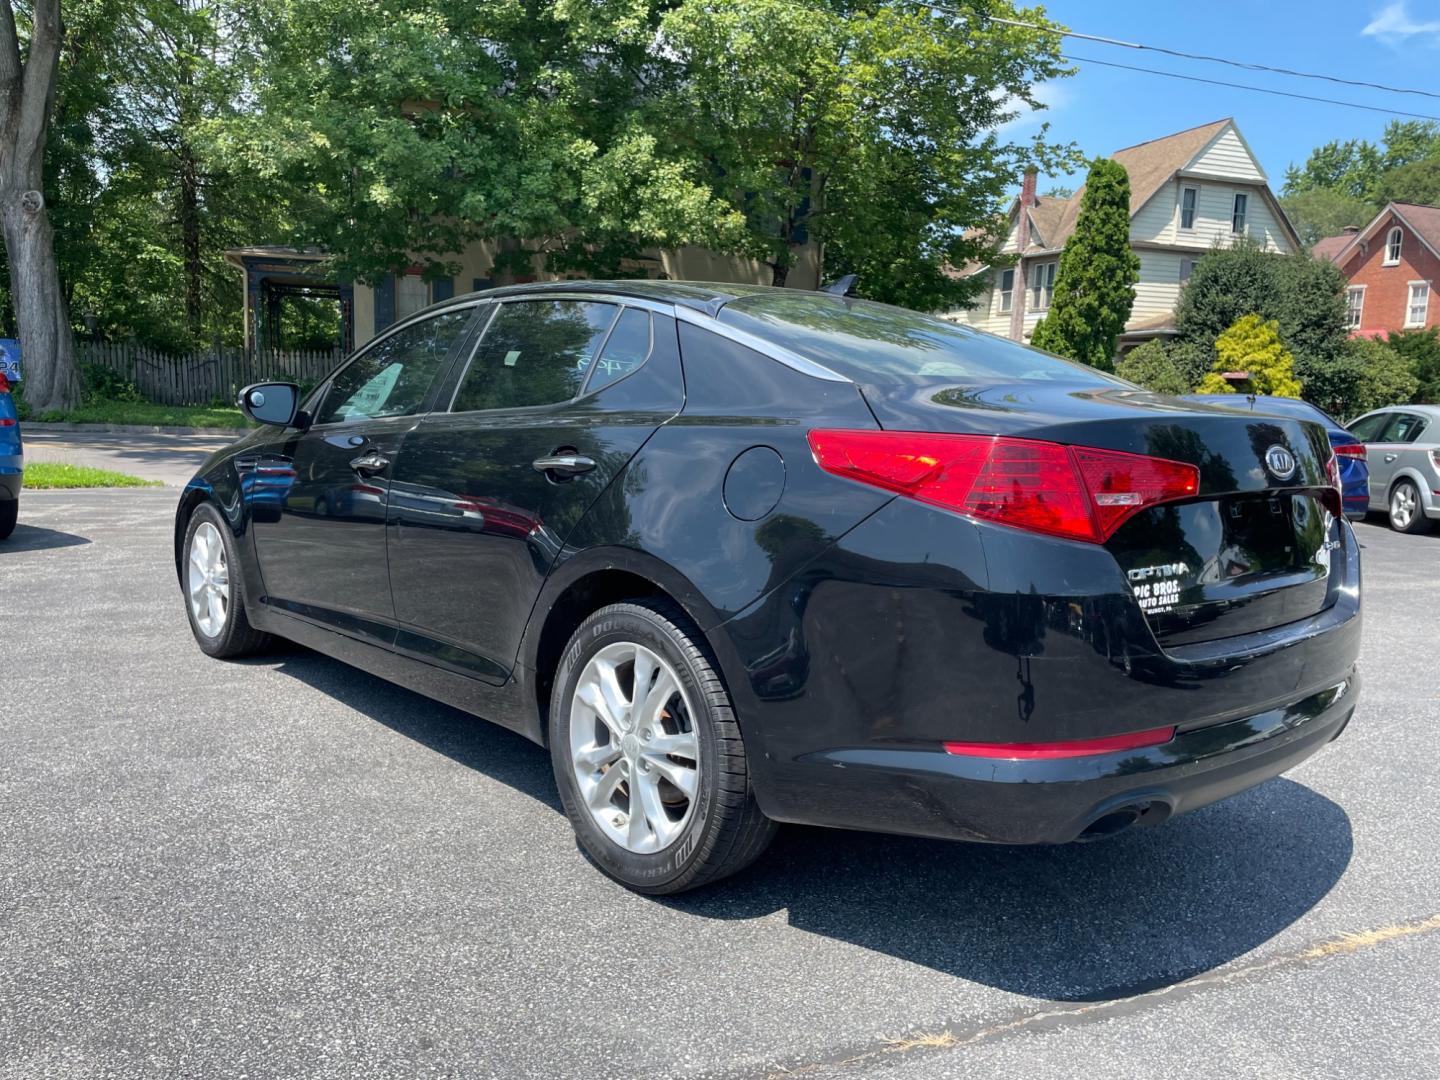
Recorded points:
(133, 429)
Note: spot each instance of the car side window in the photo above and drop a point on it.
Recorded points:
(1406, 427)
(393, 376)
(534, 352)
(1368, 428)
(625, 349)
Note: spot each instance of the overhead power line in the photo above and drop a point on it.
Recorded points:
(967, 13)
(1247, 86)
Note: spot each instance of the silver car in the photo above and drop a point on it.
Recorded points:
(1402, 446)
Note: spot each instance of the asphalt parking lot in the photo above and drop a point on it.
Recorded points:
(285, 867)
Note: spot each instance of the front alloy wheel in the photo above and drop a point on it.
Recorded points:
(209, 580)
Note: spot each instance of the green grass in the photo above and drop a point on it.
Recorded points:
(51, 474)
(148, 415)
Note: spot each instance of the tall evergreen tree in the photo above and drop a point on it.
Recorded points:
(1095, 284)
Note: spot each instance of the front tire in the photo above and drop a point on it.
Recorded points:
(214, 600)
(647, 754)
(1407, 512)
(9, 515)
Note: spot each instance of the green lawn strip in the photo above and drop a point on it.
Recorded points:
(148, 415)
(54, 474)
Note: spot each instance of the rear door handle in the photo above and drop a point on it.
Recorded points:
(370, 463)
(564, 464)
(1390, 457)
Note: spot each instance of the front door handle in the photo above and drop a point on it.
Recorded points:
(368, 464)
(1390, 457)
(564, 464)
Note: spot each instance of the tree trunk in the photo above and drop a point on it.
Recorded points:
(43, 318)
(190, 236)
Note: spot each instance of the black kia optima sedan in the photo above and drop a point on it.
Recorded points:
(740, 555)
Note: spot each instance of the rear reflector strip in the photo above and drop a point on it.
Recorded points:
(1076, 748)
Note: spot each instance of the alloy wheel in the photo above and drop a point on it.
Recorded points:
(633, 747)
(209, 580)
(1402, 506)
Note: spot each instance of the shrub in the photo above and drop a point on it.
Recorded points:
(1150, 365)
(1422, 349)
(1389, 376)
(1253, 345)
(99, 384)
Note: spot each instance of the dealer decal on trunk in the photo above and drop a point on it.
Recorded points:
(1157, 588)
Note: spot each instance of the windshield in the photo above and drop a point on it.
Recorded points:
(871, 342)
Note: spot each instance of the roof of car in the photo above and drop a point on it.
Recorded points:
(707, 296)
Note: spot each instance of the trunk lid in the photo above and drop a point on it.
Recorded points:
(1251, 551)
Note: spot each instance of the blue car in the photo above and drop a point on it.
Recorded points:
(12, 460)
(1349, 451)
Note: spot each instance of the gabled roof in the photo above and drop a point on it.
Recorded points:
(1151, 164)
(1423, 221)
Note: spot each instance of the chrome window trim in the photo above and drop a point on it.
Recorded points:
(778, 353)
(619, 299)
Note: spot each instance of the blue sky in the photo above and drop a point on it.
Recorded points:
(1103, 109)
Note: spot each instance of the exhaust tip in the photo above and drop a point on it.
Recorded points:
(1113, 822)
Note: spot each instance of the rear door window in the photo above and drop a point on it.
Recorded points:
(393, 376)
(1405, 428)
(534, 352)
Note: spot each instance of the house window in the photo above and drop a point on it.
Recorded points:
(1007, 290)
(1189, 197)
(1042, 285)
(1187, 267)
(412, 292)
(1393, 240)
(1354, 306)
(1419, 305)
(1237, 212)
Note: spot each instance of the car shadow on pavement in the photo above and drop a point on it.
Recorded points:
(1093, 922)
(34, 538)
(1090, 922)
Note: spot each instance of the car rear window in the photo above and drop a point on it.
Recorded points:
(871, 342)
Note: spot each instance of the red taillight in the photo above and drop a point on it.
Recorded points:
(1353, 450)
(5, 421)
(1075, 748)
(1072, 491)
(4, 385)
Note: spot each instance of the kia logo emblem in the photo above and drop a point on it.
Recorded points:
(1280, 462)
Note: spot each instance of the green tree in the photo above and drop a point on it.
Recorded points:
(1358, 168)
(1322, 212)
(1421, 349)
(1417, 182)
(1253, 346)
(1152, 366)
(1389, 375)
(1095, 282)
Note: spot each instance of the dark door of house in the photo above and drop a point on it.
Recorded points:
(558, 397)
(320, 537)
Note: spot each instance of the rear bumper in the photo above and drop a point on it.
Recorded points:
(932, 793)
(920, 628)
(11, 468)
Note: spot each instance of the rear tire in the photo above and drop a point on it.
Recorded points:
(9, 514)
(214, 597)
(680, 727)
(1407, 511)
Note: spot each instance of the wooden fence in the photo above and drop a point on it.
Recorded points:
(210, 375)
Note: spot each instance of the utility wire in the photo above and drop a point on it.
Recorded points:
(1247, 86)
(966, 13)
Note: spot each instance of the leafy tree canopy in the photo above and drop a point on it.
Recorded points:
(1357, 167)
(1322, 212)
(1095, 282)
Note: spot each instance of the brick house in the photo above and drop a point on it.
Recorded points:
(1392, 264)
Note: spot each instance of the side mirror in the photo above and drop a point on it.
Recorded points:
(270, 403)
